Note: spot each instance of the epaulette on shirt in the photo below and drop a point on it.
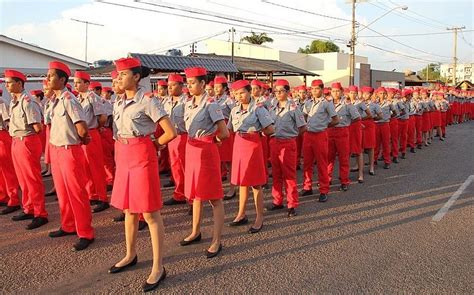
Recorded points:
(211, 99)
(148, 95)
(26, 97)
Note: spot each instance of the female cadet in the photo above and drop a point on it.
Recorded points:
(339, 135)
(426, 127)
(418, 118)
(369, 128)
(206, 127)
(137, 184)
(289, 123)
(383, 127)
(226, 104)
(210, 89)
(247, 120)
(436, 115)
(444, 107)
(355, 131)
(398, 107)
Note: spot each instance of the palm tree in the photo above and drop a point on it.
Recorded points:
(258, 39)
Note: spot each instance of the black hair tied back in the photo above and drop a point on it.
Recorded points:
(142, 71)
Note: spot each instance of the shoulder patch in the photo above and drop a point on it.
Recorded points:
(211, 99)
(148, 95)
(293, 106)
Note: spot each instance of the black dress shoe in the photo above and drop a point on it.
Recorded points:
(441, 138)
(323, 198)
(210, 254)
(305, 192)
(223, 178)
(94, 202)
(253, 230)
(109, 187)
(101, 207)
(404, 156)
(82, 244)
(172, 202)
(395, 160)
(50, 193)
(230, 197)
(60, 233)
(266, 186)
(142, 225)
(22, 216)
(343, 187)
(3, 204)
(412, 150)
(274, 207)
(195, 240)
(119, 218)
(10, 209)
(386, 166)
(360, 180)
(419, 147)
(150, 287)
(117, 269)
(372, 173)
(240, 222)
(291, 212)
(354, 169)
(37, 222)
(169, 184)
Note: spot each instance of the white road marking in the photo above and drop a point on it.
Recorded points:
(440, 214)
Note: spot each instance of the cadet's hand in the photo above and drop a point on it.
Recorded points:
(158, 146)
(217, 140)
(86, 140)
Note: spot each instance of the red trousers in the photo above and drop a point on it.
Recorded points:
(394, 134)
(411, 130)
(266, 151)
(419, 130)
(299, 148)
(402, 135)
(8, 180)
(315, 148)
(68, 166)
(26, 155)
(338, 144)
(449, 116)
(177, 152)
(108, 151)
(283, 157)
(383, 138)
(96, 185)
(443, 123)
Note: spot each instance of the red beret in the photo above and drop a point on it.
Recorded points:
(57, 65)
(367, 89)
(220, 80)
(391, 90)
(346, 90)
(317, 83)
(240, 84)
(256, 83)
(162, 83)
(301, 87)
(281, 82)
(15, 74)
(265, 86)
(326, 90)
(114, 74)
(353, 88)
(36, 92)
(82, 75)
(94, 84)
(380, 89)
(195, 72)
(423, 90)
(175, 78)
(127, 63)
(406, 92)
(211, 84)
(336, 85)
(107, 89)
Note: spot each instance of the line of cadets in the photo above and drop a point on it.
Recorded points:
(203, 132)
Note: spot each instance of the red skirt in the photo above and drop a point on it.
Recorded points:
(43, 139)
(47, 156)
(426, 127)
(202, 172)
(368, 134)
(225, 149)
(436, 119)
(355, 137)
(137, 182)
(248, 166)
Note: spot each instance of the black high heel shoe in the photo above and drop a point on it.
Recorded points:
(150, 287)
(210, 254)
(195, 240)
(253, 230)
(117, 269)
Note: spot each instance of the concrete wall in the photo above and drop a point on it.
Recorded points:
(377, 77)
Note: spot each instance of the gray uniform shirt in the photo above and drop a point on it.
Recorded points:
(201, 119)
(4, 114)
(346, 112)
(175, 109)
(319, 112)
(374, 109)
(65, 112)
(288, 120)
(137, 117)
(24, 112)
(386, 109)
(406, 108)
(361, 107)
(255, 118)
(47, 109)
(93, 107)
(226, 104)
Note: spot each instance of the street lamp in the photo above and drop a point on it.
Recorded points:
(403, 7)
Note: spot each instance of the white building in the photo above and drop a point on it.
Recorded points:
(463, 72)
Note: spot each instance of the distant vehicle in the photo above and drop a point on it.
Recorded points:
(102, 63)
(174, 52)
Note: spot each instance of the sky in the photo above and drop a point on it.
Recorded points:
(152, 29)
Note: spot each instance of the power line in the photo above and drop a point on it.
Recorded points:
(398, 53)
(462, 37)
(410, 35)
(423, 16)
(308, 12)
(186, 43)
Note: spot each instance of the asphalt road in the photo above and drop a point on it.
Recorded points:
(378, 237)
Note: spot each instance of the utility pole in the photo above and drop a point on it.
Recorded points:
(87, 29)
(193, 49)
(427, 73)
(352, 45)
(455, 58)
(232, 31)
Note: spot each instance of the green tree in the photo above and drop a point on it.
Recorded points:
(432, 70)
(258, 39)
(319, 46)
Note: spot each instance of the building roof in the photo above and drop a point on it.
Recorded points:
(254, 65)
(465, 84)
(47, 52)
